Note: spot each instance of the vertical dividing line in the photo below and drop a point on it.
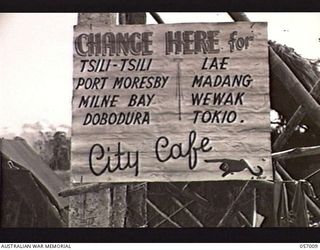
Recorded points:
(179, 91)
(178, 86)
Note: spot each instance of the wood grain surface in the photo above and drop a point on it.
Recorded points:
(172, 109)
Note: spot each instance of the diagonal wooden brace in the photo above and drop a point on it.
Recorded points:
(282, 73)
(85, 188)
(312, 206)
(295, 120)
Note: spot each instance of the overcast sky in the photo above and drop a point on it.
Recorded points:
(36, 59)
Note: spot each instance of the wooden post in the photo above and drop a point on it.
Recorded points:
(122, 18)
(96, 18)
(105, 207)
(136, 193)
(136, 18)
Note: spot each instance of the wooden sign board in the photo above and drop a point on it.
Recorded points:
(177, 102)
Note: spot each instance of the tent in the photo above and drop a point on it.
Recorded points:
(29, 188)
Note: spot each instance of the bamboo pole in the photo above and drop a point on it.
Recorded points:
(296, 152)
(313, 208)
(190, 195)
(162, 213)
(187, 211)
(312, 174)
(308, 80)
(309, 106)
(174, 213)
(282, 73)
(232, 204)
(244, 219)
(254, 213)
(295, 120)
(300, 67)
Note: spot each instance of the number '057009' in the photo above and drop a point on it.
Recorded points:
(308, 245)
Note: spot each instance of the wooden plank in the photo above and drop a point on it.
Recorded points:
(86, 188)
(98, 144)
